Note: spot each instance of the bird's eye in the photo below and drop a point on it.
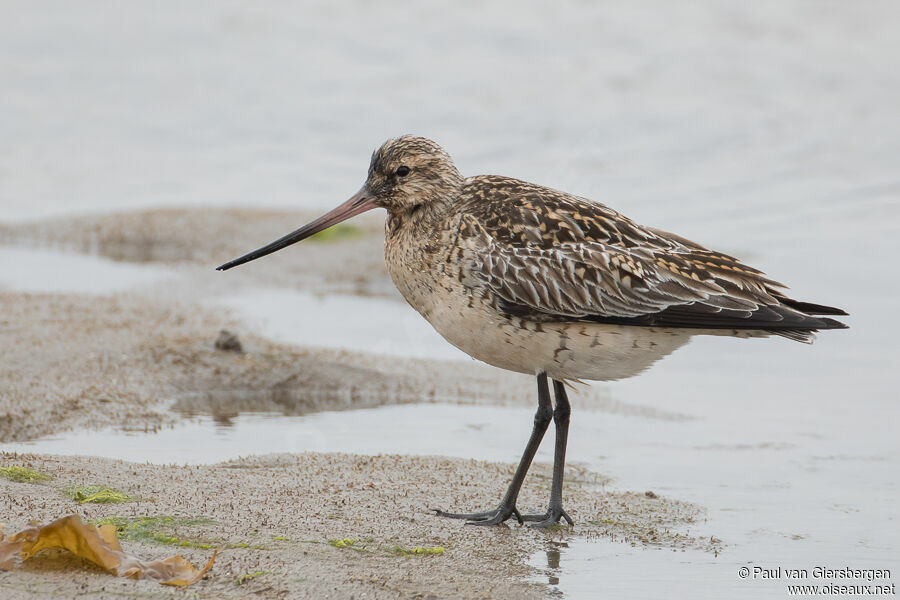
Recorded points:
(403, 171)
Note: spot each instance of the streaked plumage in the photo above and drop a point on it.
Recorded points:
(532, 279)
(538, 281)
(547, 255)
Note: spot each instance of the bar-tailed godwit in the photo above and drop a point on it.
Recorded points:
(541, 282)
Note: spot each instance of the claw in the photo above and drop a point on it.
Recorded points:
(549, 518)
(488, 517)
(468, 516)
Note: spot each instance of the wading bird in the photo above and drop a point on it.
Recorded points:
(541, 282)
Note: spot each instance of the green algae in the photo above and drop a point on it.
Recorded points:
(97, 494)
(23, 474)
(242, 579)
(370, 545)
(418, 551)
(349, 544)
(158, 530)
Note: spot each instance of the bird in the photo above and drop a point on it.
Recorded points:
(538, 281)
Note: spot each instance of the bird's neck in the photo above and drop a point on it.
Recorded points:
(417, 220)
(416, 238)
(415, 249)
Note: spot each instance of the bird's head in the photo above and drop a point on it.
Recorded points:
(409, 173)
(406, 175)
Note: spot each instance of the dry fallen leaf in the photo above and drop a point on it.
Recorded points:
(100, 546)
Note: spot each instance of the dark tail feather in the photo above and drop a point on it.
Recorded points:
(789, 318)
(833, 324)
(807, 336)
(812, 309)
(780, 319)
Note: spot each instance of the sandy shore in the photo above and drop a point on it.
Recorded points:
(145, 359)
(276, 514)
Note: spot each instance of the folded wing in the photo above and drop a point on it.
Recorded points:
(658, 280)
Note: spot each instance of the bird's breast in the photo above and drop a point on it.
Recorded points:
(411, 262)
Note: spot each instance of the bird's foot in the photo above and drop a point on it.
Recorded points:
(551, 517)
(488, 517)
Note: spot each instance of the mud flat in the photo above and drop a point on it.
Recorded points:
(321, 525)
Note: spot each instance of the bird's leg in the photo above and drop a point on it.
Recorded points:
(507, 506)
(561, 418)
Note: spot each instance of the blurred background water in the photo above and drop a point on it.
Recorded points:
(769, 130)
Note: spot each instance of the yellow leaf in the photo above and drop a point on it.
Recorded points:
(101, 547)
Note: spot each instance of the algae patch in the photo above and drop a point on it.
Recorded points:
(159, 530)
(242, 579)
(418, 551)
(355, 544)
(23, 474)
(350, 544)
(97, 494)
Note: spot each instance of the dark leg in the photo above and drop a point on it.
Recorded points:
(507, 506)
(561, 419)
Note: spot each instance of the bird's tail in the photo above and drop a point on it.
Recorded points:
(807, 336)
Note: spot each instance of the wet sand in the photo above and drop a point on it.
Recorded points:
(146, 358)
(127, 361)
(286, 508)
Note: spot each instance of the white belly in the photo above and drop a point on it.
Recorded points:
(562, 350)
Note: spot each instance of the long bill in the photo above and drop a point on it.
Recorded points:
(359, 203)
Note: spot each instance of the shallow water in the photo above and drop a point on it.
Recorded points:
(767, 129)
(779, 491)
(50, 271)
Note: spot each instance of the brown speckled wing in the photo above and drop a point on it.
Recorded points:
(552, 256)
